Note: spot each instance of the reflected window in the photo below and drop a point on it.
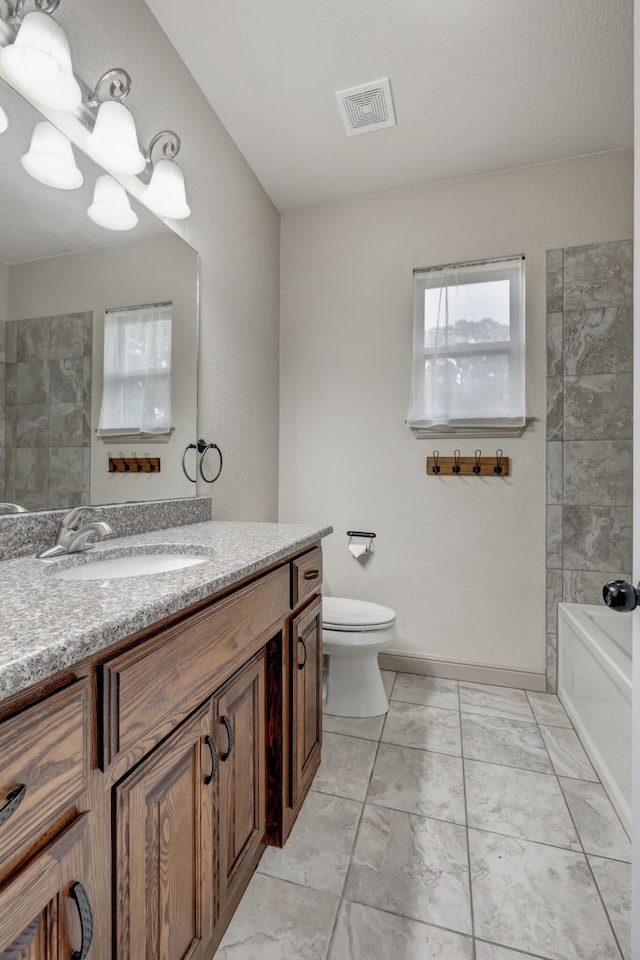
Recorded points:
(136, 397)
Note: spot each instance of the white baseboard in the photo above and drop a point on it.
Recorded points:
(459, 670)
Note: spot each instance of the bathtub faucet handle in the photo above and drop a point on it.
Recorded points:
(621, 596)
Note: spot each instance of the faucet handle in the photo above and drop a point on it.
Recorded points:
(71, 520)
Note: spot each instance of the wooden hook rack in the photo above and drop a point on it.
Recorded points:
(134, 464)
(487, 466)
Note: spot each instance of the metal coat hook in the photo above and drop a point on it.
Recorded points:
(124, 461)
(498, 467)
(456, 466)
(436, 467)
(476, 467)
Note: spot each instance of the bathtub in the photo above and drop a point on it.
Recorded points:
(594, 685)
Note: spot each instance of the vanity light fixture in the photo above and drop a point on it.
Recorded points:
(39, 61)
(4, 120)
(114, 142)
(111, 208)
(50, 159)
(165, 194)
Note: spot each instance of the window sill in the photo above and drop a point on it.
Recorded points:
(135, 438)
(468, 433)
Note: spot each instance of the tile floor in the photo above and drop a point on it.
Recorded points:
(466, 825)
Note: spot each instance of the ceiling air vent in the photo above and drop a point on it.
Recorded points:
(367, 107)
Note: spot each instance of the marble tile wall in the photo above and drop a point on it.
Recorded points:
(589, 425)
(47, 404)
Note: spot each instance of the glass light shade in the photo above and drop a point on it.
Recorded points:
(39, 63)
(114, 142)
(110, 207)
(4, 120)
(165, 194)
(50, 159)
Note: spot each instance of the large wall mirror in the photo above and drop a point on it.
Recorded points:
(60, 275)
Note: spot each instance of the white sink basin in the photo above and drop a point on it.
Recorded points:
(141, 565)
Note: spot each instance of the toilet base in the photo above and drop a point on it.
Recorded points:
(354, 687)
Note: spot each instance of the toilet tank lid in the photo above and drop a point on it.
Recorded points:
(343, 612)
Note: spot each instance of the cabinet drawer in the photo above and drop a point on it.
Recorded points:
(168, 676)
(45, 765)
(306, 576)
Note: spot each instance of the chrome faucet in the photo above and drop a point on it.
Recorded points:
(6, 508)
(72, 537)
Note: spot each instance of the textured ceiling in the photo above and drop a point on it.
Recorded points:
(478, 85)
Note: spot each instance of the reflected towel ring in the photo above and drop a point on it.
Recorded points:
(203, 447)
(190, 446)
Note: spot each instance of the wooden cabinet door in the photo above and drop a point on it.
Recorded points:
(306, 698)
(164, 848)
(240, 737)
(34, 919)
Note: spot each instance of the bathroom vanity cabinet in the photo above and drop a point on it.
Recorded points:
(138, 789)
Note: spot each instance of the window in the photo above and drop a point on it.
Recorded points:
(468, 350)
(136, 393)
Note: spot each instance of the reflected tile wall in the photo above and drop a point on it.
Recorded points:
(589, 425)
(45, 410)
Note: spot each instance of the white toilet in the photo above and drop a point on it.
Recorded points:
(353, 634)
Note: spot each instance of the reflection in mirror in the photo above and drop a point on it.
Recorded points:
(60, 275)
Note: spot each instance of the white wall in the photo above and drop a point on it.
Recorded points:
(155, 270)
(462, 561)
(235, 229)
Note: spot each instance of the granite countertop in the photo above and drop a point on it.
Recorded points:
(47, 624)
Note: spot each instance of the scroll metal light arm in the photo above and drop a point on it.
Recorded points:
(170, 146)
(16, 14)
(119, 84)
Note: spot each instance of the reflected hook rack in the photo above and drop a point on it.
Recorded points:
(133, 464)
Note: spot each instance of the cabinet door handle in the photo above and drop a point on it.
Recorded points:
(79, 894)
(302, 665)
(13, 801)
(214, 760)
(311, 574)
(230, 739)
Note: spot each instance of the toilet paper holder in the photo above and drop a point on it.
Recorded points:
(364, 534)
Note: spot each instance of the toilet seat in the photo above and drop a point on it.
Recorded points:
(355, 616)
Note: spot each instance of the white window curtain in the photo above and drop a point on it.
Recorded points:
(136, 394)
(468, 350)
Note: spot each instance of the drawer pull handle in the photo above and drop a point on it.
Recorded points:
(14, 799)
(79, 894)
(214, 760)
(229, 729)
(311, 574)
(302, 665)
